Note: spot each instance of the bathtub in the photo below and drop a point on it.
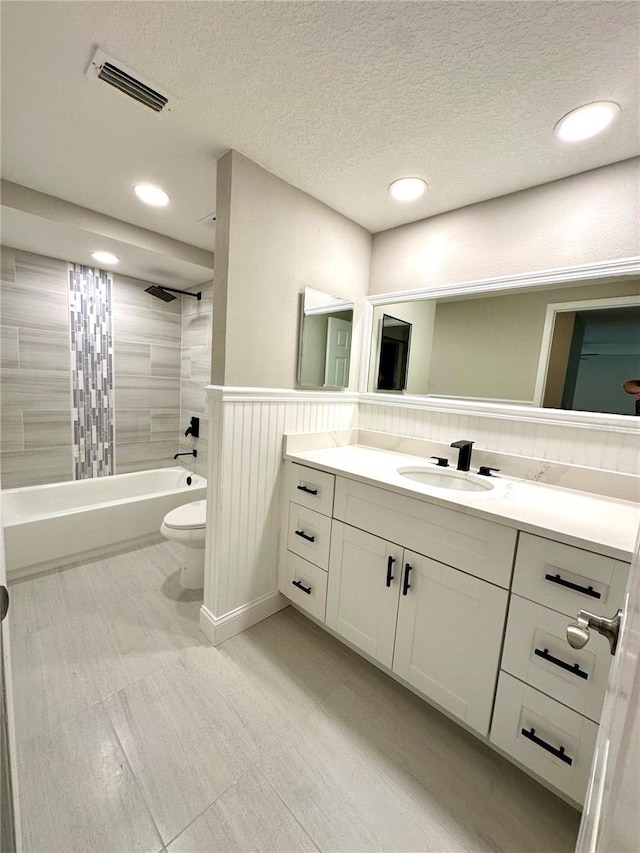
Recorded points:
(60, 523)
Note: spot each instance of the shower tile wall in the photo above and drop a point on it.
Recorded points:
(147, 349)
(36, 439)
(197, 325)
(36, 436)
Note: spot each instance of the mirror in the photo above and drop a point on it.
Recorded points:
(566, 347)
(395, 337)
(324, 352)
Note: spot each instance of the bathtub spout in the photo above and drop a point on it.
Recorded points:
(187, 453)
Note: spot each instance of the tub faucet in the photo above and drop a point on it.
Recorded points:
(464, 454)
(187, 453)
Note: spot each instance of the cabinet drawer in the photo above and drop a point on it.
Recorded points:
(560, 742)
(309, 535)
(305, 584)
(310, 488)
(566, 578)
(480, 548)
(536, 651)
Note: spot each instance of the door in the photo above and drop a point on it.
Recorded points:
(362, 594)
(8, 782)
(336, 367)
(610, 816)
(449, 637)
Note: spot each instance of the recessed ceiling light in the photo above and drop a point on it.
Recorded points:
(407, 189)
(152, 195)
(104, 257)
(586, 121)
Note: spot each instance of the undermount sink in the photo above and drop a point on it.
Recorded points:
(458, 481)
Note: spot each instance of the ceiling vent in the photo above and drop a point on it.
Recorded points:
(115, 74)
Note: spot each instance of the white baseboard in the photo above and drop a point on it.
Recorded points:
(217, 629)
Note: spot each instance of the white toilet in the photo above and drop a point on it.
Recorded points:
(187, 524)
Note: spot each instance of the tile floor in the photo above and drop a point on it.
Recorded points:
(136, 735)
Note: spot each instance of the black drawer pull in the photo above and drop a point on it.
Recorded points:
(390, 563)
(586, 590)
(306, 589)
(406, 586)
(573, 668)
(559, 753)
(303, 535)
(307, 490)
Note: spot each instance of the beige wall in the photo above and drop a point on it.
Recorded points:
(273, 240)
(579, 220)
(489, 347)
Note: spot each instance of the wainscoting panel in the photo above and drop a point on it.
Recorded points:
(595, 446)
(245, 488)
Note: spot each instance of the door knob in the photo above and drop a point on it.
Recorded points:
(578, 631)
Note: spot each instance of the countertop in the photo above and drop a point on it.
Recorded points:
(608, 526)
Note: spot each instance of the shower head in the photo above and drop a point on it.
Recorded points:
(160, 290)
(154, 290)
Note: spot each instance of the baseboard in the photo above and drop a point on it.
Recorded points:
(83, 557)
(217, 629)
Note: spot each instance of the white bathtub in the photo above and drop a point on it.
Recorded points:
(47, 526)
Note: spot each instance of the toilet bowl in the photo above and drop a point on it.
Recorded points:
(187, 524)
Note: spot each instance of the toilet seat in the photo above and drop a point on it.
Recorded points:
(191, 516)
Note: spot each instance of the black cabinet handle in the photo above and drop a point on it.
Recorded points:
(406, 586)
(307, 490)
(303, 535)
(573, 668)
(559, 753)
(390, 563)
(586, 590)
(306, 589)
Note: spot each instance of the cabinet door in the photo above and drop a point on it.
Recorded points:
(449, 636)
(362, 594)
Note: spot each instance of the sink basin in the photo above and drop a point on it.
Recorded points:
(459, 481)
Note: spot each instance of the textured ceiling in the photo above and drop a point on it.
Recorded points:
(338, 98)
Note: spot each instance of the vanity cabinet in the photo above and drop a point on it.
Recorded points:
(550, 696)
(424, 591)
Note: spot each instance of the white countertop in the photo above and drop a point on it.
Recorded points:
(606, 525)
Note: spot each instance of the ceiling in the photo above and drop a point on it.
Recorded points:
(338, 98)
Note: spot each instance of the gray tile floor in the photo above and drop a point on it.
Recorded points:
(136, 735)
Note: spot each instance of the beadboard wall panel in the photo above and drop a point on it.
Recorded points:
(594, 446)
(245, 482)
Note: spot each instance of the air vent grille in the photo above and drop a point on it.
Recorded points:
(126, 80)
(114, 76)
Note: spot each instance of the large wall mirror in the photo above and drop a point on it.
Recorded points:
(324, 352)
(569, 347)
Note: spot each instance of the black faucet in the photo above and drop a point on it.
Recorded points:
(187, 453)
(464, 454)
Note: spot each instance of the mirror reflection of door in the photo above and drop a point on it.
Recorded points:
(336, 367)
(593, 353)
(394, 354)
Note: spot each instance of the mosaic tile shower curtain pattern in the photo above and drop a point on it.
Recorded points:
(92, 371)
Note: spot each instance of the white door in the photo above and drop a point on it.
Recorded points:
(362, 593)
(449, 636)
(9, 827)
(610, 817)
(336, 367)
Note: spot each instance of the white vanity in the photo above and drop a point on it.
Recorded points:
(464, 596)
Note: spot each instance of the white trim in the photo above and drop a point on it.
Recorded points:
(553, 417)
(217, 629)
(562, 275)
(279, 395)
(554, 308)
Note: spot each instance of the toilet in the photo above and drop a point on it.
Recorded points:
(187, 524)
